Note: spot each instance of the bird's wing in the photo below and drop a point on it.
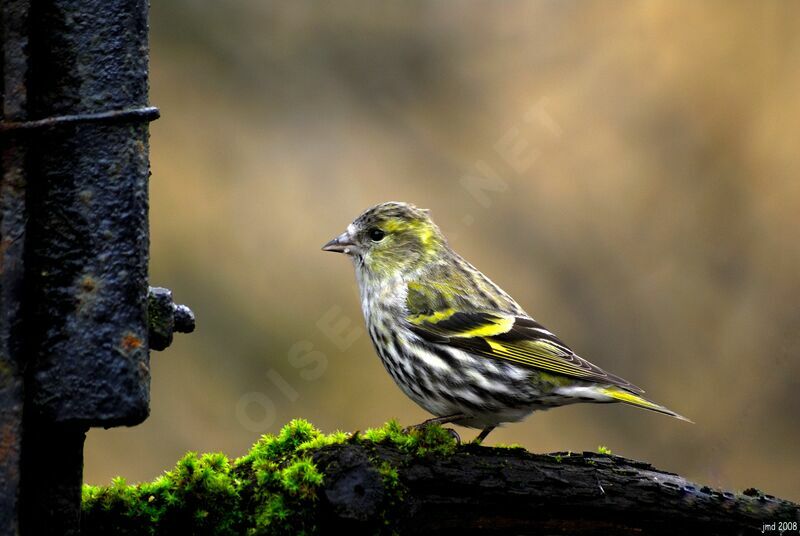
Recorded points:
(508, 337)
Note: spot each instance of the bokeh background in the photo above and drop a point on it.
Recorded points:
(627, 170)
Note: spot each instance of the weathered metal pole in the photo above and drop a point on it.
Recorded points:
(87, 236)
(74, 333)
(13, 215)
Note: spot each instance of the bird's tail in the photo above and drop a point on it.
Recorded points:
(627, 397)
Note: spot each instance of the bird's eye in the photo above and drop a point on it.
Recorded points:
(376, 235)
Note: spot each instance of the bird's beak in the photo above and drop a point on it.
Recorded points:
(341, 244)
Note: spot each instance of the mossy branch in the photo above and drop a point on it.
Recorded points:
(388, 481)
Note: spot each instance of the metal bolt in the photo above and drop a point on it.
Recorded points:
(166, 317)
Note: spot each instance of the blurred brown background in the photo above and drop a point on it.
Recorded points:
(627, 170)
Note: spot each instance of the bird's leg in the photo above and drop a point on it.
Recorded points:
(485, 432)
(440, 420)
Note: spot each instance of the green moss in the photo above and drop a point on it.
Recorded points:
(512, 446)
(602, 449)
(324, 441)
(270, 490)
(279, 481)
(559, 457)
(418, 441)
(200, 496)
(395, 492)
(391, 478)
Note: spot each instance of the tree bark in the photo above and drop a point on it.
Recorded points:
(512, 491)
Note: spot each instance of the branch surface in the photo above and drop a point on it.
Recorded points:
(391, 481)
(497, 490)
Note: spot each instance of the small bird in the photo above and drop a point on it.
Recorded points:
(454, 341)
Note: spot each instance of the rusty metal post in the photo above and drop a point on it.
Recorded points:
(13, 215)
(87, 236)
(74, 330)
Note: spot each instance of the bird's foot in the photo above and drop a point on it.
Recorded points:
(454, 435)
(423, 425)
(439, 420)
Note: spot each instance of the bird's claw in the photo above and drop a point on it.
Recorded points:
(422, 426)
(454, 434)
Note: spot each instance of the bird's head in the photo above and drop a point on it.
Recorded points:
(390, 239)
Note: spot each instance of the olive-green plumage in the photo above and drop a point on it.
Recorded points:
(454, 341)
